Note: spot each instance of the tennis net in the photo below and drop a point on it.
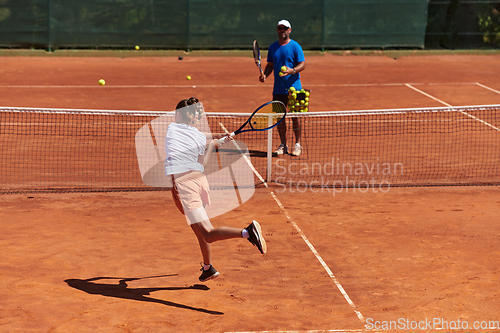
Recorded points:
(60, 150)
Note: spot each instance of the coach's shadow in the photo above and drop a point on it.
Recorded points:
(121, 290)
(257, 153)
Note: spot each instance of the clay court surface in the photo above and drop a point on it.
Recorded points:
(344, 261)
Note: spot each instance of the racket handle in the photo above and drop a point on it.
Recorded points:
(225, 139)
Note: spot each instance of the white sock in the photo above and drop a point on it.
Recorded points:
(244, 233)
(206, 267)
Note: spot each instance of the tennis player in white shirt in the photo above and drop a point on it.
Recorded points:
(187, 155)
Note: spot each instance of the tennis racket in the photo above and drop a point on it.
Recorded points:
(256, 56)
(259, 122)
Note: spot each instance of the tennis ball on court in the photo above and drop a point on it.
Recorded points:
(102, 82)
(188, 77)
(284, 68)
(137, 47)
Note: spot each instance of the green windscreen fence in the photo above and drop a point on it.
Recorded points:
(460, 24)
(210, 24)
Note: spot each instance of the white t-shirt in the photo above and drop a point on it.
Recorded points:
(183, 145)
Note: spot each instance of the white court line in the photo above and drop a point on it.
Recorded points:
(426, 94)
(313, 331)
(306, 240)
(109, 86)
(480, 120)
(191, 85)
(323, 263)
(486, 87)
(451, 106)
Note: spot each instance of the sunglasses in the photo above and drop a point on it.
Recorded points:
(282, 28)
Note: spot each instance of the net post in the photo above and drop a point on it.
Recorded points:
(269, 147)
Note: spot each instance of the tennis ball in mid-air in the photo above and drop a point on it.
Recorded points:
(188, 77)
(137, 47)
(284, 68)
(102, 82)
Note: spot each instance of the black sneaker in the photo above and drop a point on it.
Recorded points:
(209, 274)
(255, 236)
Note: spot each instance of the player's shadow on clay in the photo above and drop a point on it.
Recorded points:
(121, 290)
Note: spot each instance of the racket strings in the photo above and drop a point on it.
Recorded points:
(260, 119)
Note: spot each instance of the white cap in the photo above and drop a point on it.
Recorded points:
(285, 23)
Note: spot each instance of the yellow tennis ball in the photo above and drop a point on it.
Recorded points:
(188, 77)
(307, 93)
(284, 68)
(137, 47)
(281, 74)
(102, 82)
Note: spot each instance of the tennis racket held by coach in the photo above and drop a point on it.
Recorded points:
(258, 121)
(256, 56)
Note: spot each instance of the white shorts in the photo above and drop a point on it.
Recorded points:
(194, 194)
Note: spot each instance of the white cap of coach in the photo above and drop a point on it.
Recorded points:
(284, 23)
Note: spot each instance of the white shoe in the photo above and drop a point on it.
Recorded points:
(282, 149)
(297, 150)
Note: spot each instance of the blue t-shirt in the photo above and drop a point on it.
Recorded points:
(288, 55)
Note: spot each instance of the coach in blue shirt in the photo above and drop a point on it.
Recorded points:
(289, 53)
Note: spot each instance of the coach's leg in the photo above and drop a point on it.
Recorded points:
(297, 129)
(282, 126)
(282, 132)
